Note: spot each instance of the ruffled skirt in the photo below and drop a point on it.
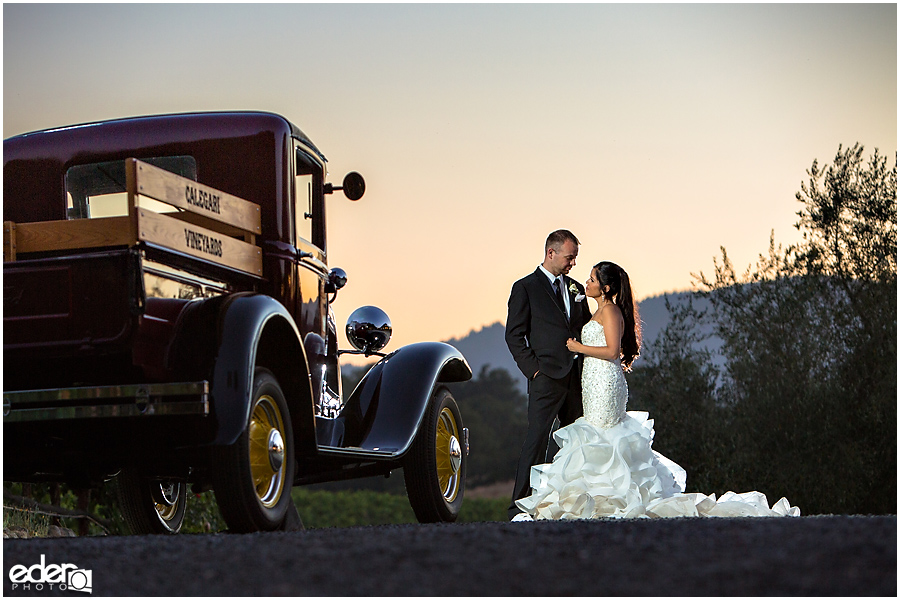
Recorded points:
(615, 473)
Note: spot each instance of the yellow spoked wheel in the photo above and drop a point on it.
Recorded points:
(252, 477)
(266, 449)
(166, 498)
(448, 454)
(434, 468)
(149, 505)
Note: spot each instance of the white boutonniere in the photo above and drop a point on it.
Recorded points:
(573, 289)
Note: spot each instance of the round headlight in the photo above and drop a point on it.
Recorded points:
(369, 329)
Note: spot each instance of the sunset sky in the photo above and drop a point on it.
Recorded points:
(657, 133)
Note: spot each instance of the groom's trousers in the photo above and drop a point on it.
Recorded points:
(548, 399)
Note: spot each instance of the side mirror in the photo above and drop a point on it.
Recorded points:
(337, 279)
(354, 186)
(369, 329)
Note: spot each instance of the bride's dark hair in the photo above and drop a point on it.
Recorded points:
(612, 275)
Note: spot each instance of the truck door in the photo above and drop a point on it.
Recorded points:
(310, 267)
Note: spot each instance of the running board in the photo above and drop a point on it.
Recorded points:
(356, 453)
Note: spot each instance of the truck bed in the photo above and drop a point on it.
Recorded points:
(76, 292)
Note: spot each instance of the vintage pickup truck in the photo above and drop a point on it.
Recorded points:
(167, 321)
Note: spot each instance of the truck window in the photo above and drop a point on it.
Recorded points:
(98, 190)
(304, 194)
(307, 184)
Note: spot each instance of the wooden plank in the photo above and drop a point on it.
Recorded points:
(189, 195)
(9, 241)
(198, 241)
(223, 228)
(70, 235)
(130, 187)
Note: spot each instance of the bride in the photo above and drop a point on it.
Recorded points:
(605, 466)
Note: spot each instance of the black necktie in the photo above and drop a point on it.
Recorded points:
(559, 297)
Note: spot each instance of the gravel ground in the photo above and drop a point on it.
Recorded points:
(819, 556)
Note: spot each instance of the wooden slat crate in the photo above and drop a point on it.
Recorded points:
(210, 224)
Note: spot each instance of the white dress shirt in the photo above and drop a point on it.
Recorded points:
(562, 288)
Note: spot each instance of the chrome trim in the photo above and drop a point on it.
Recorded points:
(357, 453)
(455, 454)
(311, 260)
(276, 449)
(208, 287)
(145, 400)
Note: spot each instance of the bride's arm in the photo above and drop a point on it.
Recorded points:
(613, 324)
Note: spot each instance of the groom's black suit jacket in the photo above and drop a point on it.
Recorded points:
(536, 327)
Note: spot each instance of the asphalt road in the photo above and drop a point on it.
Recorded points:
(820, 556)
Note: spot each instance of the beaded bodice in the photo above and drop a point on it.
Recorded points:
(603, 386)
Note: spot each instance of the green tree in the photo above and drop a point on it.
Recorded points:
(809, 337)
(849, 219)
(850, 214)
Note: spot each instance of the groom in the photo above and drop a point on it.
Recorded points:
(547, 308)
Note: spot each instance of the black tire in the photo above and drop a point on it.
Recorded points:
(151, 506)
(251, 478)
(435, 467)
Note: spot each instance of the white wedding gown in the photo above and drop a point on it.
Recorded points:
(606, 467)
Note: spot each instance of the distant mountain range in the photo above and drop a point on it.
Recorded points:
(487, 346)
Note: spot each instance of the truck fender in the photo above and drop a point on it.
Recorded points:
(256, 330)
(401, 385)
